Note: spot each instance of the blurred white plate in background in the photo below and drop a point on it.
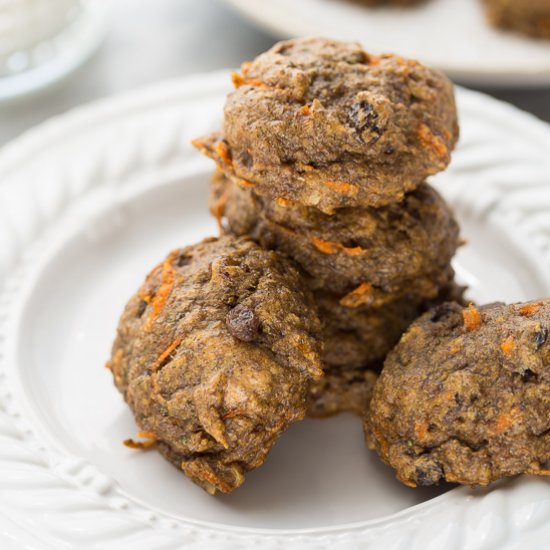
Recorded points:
(89, 202)
(452, 35)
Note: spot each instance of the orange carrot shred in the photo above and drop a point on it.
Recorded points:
(283, 202)
(329, 247)
(508, 346)
(342, 187)
(150, 441)
(166, 353)
(305, 110)
(223, 152)
(360, 295)
(472, 318)
(245, 183)
(429, 139)
(218, 209)
(159, 300)
(239, 80)
(502, 423)
(530, 309)
(420, 430)
(538, 472)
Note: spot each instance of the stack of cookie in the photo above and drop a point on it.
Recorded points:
(323, 155)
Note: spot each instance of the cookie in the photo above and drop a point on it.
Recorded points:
(214, 356)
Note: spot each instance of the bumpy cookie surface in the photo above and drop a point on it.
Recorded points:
(464, 396)
(325, 124)
(531, 17)
(214, 356)
(377, 255)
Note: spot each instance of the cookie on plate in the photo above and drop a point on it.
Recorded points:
(325, 124)
(214, 356)
(464, 396)
(377, 255)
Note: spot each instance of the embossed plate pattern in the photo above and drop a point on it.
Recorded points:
(88, 202)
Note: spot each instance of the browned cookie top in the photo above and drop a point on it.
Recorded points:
(464, 397)
(214, 355)
(325, 124)
(375, 255)
(530, 17)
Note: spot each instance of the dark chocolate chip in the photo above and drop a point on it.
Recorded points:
(541, 337)
(243, 323)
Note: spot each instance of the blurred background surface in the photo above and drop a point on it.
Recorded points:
(149, 41)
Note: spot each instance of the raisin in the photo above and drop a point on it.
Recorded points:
(428, 474)
(183, 260)
(528, 375)
(363, 117)
(441, 312)
(243, 323)
(142, 306)
(246, 160)
(540, 337)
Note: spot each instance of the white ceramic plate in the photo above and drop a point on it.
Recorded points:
(88, 203)
(450, 34)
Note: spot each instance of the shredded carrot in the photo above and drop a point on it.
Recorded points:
(429, 139)
(199, 144)
(361, 295)
(508, 346)
(161, 359)
(472, 318)
(326, 247)
(530, 309)
(342, 187)
(538, 472)
(502, 423)
(218, 209)
(147, 295)
(283, 202)
(239, 80)
(305, 110)
(373, 60)
(150, 441)
(245, 183)
(223, 152)
(159, 300)
(116, 360)
(330, 247)
(420, 430)
(382, 441)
